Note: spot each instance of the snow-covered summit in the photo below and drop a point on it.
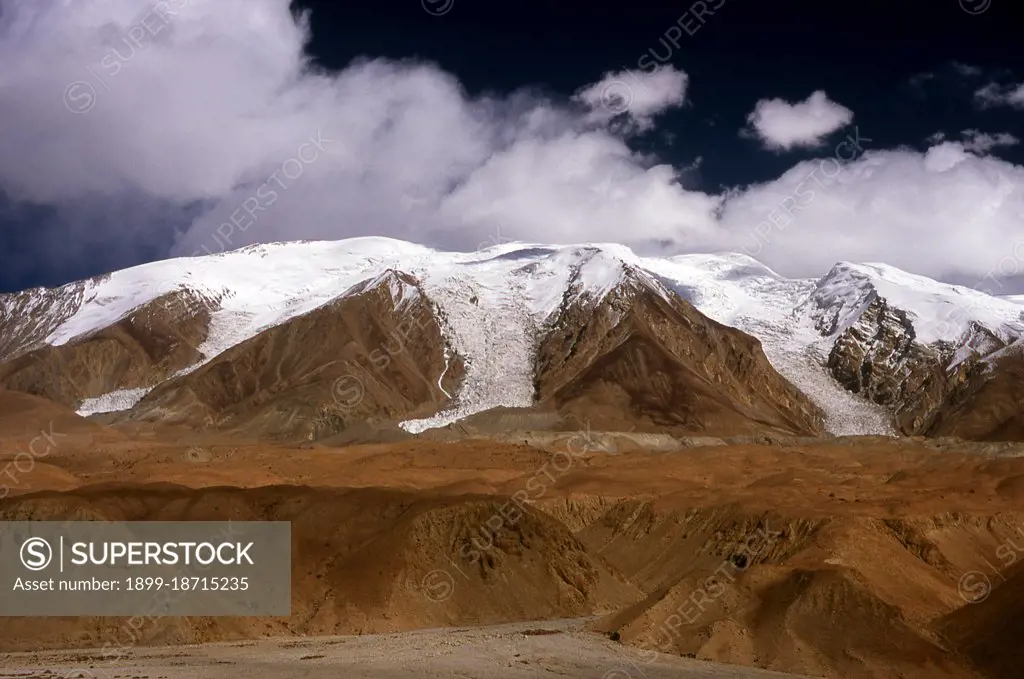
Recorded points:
(937, 311)
(496, 303)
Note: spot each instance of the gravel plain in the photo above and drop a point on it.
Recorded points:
(513, 651)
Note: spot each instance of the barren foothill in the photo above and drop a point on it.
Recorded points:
(834, 557)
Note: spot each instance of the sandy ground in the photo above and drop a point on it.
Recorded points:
(520, 651)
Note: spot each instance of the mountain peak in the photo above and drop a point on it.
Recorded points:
(938, 311)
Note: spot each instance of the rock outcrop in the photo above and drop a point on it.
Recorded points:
(935, 389)
(934, 380)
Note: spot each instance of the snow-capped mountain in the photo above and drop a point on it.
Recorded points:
(917, 346)
(937, 311)
(494, 307)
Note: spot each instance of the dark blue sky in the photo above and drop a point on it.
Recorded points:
(865, 55)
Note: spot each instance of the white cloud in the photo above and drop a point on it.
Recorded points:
(974, 141)
(993, 94)
(944, 157)
(218, 110)
(939, 213)
(214, 111)
(639, 95)
(981, 142)
(781, 125)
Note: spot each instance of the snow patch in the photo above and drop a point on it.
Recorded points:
(114, 401)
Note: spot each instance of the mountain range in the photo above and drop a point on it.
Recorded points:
(310, 340)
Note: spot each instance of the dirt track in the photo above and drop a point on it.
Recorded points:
(520, 651)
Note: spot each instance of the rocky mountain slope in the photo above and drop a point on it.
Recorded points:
(257, 338)
(376, 351)
(985, 632)
(148, 345)
(644, 357)
(944, 359)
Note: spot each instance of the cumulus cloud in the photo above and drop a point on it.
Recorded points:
(781, 125)
(639, 95)
(994, 94)
(218, 108)
(194, 126)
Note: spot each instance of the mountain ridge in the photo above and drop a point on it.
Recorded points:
(495, 305)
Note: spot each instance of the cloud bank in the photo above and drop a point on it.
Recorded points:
(943, 212)
(781, 125)
(206, 118)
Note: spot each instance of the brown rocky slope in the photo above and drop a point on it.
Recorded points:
(363, 561)
(376, 352)
(989, 631)
(144, 348)
(643, 358)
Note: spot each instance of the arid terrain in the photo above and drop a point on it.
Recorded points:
(513, 651)
(835, 557)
